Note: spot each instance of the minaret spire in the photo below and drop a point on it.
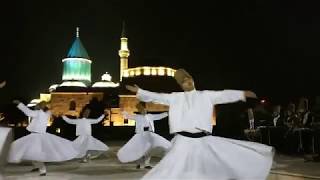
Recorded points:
(123, 33)
(77, 33)
(123, 52)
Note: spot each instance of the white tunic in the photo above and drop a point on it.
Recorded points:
(6, 136)
(85, 141)
(83, 125)
(39, 119)
(143, 142)
(39, 145)
(145, 120)
(208, 157)
(191, 111)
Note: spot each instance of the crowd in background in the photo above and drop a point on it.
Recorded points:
(293, 128)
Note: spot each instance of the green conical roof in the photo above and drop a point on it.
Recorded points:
(77, 50)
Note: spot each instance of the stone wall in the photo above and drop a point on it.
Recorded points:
(60, 102)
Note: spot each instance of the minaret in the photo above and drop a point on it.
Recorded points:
(123, 52)
(77, 64)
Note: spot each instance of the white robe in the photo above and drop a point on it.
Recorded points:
(39, 145)
(39, 119)
(6, 136)
(85, 141)
(143, 141)
(209, 157)
(191, 111)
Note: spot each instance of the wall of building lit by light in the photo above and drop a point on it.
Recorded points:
(117, 119)
(125, 74)
(131, 73)
(128, 103)
(107, 117)
(153, 71)
(161, 71)
(214, 118)
(148, 71)
(45, 97)
(138, 72)
(60, 102)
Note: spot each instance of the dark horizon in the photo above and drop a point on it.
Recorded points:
(269, 47)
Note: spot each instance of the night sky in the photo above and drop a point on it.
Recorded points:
(269, 46)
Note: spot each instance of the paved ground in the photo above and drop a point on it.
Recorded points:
(108, 167)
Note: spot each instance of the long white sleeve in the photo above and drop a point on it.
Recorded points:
(226, 96)
(156, 117)
(95, 121)
(126, 115)
(69, 121)
(147, 96)
(26, 110)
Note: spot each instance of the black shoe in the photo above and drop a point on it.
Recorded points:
(138, 166)
(148, 167)
(43, 174)
(34, 169)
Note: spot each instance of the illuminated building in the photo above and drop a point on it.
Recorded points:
(77, 65)
(76, 91)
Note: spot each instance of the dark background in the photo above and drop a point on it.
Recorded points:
(268, 46)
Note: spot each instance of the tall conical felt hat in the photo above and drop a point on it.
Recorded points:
(180, 75)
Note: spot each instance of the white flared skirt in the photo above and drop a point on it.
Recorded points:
(89, 144)
(140, 144)
(212, 157)
(41, 147)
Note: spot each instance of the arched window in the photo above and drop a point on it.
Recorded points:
(72, 105)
